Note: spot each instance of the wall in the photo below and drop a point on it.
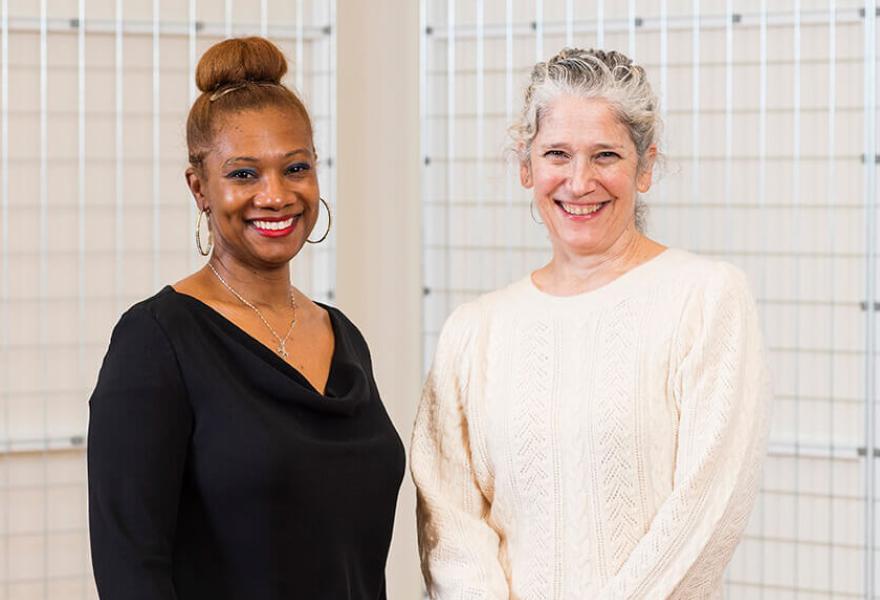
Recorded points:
(379, 265)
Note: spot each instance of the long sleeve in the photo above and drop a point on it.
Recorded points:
(459, 549)
(139, 432)
(722, 392)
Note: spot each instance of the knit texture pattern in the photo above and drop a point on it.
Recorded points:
(606, 445)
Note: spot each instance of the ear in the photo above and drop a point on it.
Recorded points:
(646, 175)
(194, 182)
(525, 174)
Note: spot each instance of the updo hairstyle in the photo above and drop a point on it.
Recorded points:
(236, 75)
(609, 76)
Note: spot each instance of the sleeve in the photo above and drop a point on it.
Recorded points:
(139, 430)
(722, 390)
(459, 549)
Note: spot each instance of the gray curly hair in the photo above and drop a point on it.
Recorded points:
(610, 76)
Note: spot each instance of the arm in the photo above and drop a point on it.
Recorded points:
(139, 432)
(721, 388)
(458, 547)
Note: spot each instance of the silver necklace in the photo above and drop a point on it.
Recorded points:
(282, 341)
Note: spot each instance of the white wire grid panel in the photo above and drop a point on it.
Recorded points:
(769, 111)
(95, 215)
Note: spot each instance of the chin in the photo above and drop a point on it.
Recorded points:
(581, 246)
(277, 258)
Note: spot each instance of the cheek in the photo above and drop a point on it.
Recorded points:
(547, 181)
(623, 184)
(233, 199)
(226, 207)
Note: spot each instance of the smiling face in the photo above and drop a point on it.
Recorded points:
(258, 181)
(583, 169)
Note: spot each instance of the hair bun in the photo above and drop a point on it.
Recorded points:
(610, 58)
(240, 59)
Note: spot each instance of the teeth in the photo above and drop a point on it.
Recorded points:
(581, 209)
(274, 225)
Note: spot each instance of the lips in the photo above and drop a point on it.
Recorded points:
(581, 212)
(274, 226)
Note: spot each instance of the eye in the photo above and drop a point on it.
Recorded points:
(607, 155)
(299, 168)
(242, 174)
(557, 154)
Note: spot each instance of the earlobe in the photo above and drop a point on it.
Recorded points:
(525, 174)
(194, 183)
(644, 181)
(646, 177)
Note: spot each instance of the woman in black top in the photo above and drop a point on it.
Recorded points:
(238, 447)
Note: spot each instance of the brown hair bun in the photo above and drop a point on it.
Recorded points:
(235, 75)
(238, 60)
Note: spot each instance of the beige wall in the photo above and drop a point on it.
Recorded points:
(378, 247)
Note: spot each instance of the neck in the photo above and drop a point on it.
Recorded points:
(262, 287)
(570, 273)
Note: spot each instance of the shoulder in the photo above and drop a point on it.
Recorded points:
(165, 311)
(336, 314)
(716, 295)
(474, 320)
(147, 323)
(464, 317)
(347, 330)
(341, 320)
(458, 331)
(164, 319)
(512, 298)
(144, 315)
(703, 276)
(140, 350)
(696, 292)
(472, 316)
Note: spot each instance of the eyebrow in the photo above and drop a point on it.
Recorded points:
(596, 146)
(251, 159)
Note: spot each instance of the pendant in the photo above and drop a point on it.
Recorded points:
(281, 351)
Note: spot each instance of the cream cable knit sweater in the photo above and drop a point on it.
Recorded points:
(606, 445)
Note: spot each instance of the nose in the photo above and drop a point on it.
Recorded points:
(582, 180)
(274, 194)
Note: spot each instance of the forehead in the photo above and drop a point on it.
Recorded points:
(579, 121)
(260, 131)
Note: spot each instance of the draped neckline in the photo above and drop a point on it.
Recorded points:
(264, 352)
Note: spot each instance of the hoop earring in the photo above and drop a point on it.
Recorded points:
(202, 251)
(329, 224)
(532, 213)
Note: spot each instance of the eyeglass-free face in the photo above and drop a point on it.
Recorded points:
(260, 184)
(583, 170)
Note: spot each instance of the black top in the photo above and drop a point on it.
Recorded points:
(216, 470)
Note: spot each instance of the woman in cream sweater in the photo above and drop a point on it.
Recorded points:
(596, 429)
